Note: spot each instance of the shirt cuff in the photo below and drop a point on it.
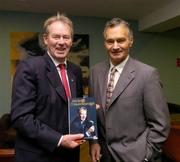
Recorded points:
(59, 143)
(146, 160)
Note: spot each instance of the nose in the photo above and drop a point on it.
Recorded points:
(115, 45)
(61, 40)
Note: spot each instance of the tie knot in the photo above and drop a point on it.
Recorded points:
(62, 66)
(113, 70)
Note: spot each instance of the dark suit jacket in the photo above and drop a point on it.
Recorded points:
(78, 127)
(137, 120)
(39, 110)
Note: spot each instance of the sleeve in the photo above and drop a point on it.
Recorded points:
(91, 93)
(157, 114)
(23, 109)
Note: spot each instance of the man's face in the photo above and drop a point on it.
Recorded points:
(118, 43)
(83, 114)
(58, 40)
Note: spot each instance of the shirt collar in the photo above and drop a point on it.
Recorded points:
(56, 62)
(120, 66)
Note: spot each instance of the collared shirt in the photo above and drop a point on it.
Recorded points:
(56, 63)
(119, 69)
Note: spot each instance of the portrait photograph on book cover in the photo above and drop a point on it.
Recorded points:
(82, 117)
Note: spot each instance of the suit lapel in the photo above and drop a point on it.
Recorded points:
(72, 79)
(103, 79)
(54, 79)
(125, 79)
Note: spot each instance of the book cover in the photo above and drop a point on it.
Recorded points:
(82, 117)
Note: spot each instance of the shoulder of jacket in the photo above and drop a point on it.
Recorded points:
(100, 64)
(142, 66)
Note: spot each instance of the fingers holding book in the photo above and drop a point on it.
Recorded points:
(72, 140)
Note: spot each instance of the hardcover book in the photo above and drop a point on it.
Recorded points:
(82, 117)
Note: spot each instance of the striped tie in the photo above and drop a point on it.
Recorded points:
(110, 86)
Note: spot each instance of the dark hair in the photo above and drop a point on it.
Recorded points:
(115, 22)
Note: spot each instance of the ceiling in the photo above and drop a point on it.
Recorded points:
(153, 15)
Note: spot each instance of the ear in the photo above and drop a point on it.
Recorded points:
(131, 42)
(45, 38)
(105, 44)
(71, 42)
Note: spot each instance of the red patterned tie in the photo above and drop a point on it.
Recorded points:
(64, 80)
(110, 86)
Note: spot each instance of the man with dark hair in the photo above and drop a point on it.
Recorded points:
(133, 117)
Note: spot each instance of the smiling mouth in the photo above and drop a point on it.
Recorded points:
(61, 50)
(117, 53)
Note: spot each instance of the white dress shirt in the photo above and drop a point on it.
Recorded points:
(119, 69)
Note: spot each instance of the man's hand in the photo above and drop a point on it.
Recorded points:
(95, 152)
(98, 106)
(72, 140)
(91, 129)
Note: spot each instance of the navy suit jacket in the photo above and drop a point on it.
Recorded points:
(39, 110)
(78, 127)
